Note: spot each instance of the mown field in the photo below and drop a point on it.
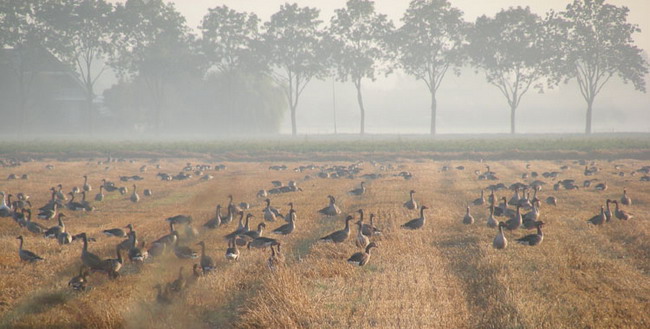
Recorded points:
(446, 275)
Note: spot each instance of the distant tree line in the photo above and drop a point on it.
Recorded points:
(237, 65)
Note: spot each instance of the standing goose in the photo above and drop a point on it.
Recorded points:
(48, 214)
(26, 255)
(598, 219)
(359, 191)
(87, 258)
(516, 221)
(480, 201)
(608, 211)
(500, 241)
(100, 196)
(533, 239)
(255, 234)
(621, 214)
(214, 222)
(492, 198)
(207, 264)
(117, 232)
(362, 258)
(503, 210)
(33, 227)
(79, 282)
(411, 204)
(287, 228)
(341, 235)
(86, 186)
(625, 200)
(416, 223)
(369, 229)
(54, 231)
(332, 209)
(276, 259)
(468, 219)
(73, 205)
(229, 216)
(362, 241)
(241, 229)
(136, 253)
(515, 198)
(271, 213)
(232, 253)
(169, 239)
(134, 196)
(64, 238)
(491, 221)
(112, 266)
(5, 211)
(59, 193)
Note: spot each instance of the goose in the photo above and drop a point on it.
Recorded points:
(207, 264)
(20, 218)
(33, 227)
(468, 219)
(254, 234)
(195, 275)
(480, 200)
(533, 239)
(416, 223)
(191, 233)
(411, 204)
(625, 200)
(131, 240)
(178, 284)
(87, 206)
(123, 190)
(214, 222)
(241, 228)
(276, 259)
(184, 252)
(332, 209)
(530, 218)
(503, 210)
(136, 253)
(524, 201)
(551, 200)
(598, 219)
(76, 190)
(271, 213)
(147, 192)
(112, 266)
(601, 187)
(157, 249)
(492, 198)
(514, 222)
(621, 214)
(287, 228)
(500, 241)
(359, 191)
(362, 241)
(163, 296)
(262, 243)
(169, 239)
(87, 258)
(515, 198)
(79, 282)
(109, 186)
(100, 196)
(86, 186)
(59, 193)
(5, 211)
(231, 204)
(134, 196)
(73, 205)
(362, 258)
(232, 253)
(369, 229)
(64, 238)
(341, 235)
(26, 255)
(54, 231)
(608, 211)
(49, 213)
(491, 221)
(229, 216)
(117, 232)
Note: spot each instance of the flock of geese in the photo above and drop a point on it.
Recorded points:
(520, 212)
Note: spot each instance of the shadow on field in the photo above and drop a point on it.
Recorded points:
(35, 304)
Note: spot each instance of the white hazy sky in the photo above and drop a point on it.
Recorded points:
(466, 104)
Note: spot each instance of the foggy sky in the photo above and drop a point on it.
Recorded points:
(466, 104)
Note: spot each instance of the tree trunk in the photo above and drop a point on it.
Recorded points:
(512, 119)
(590, 103)
(294, 131)
(23, 105)
(90, 125)
(361, 109)
(434, 107)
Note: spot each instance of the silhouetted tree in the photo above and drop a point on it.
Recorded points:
(358, 43)
(293, 46)
(593, 42)
(153, 43)
(83, 31)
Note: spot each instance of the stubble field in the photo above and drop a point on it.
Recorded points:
(445, 275)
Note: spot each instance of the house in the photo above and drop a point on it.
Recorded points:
(39, 93)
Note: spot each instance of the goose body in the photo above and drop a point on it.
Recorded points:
(533, 239)
(598, 219)
(500, 241)
(232, 253)
(271, 213)
(411, 204)
(340, 235)
(86, 186)
(54, 231)
(79, 282)
(87, 258)
(361, 241)
(287, 228)
(100, 196)
(370, 229)
(468, 219)
(276, 259)
(262, 243)
(621, 214)
(112, 266)
(491, 221)
(359, 191)
(134, 196)
(207, 264)
(514, 222)
(480, 201)
(362, 258)
(216, 221)
(416, 223)
(184, 252)
(332, 209)
(26, 255)
(625, 199)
